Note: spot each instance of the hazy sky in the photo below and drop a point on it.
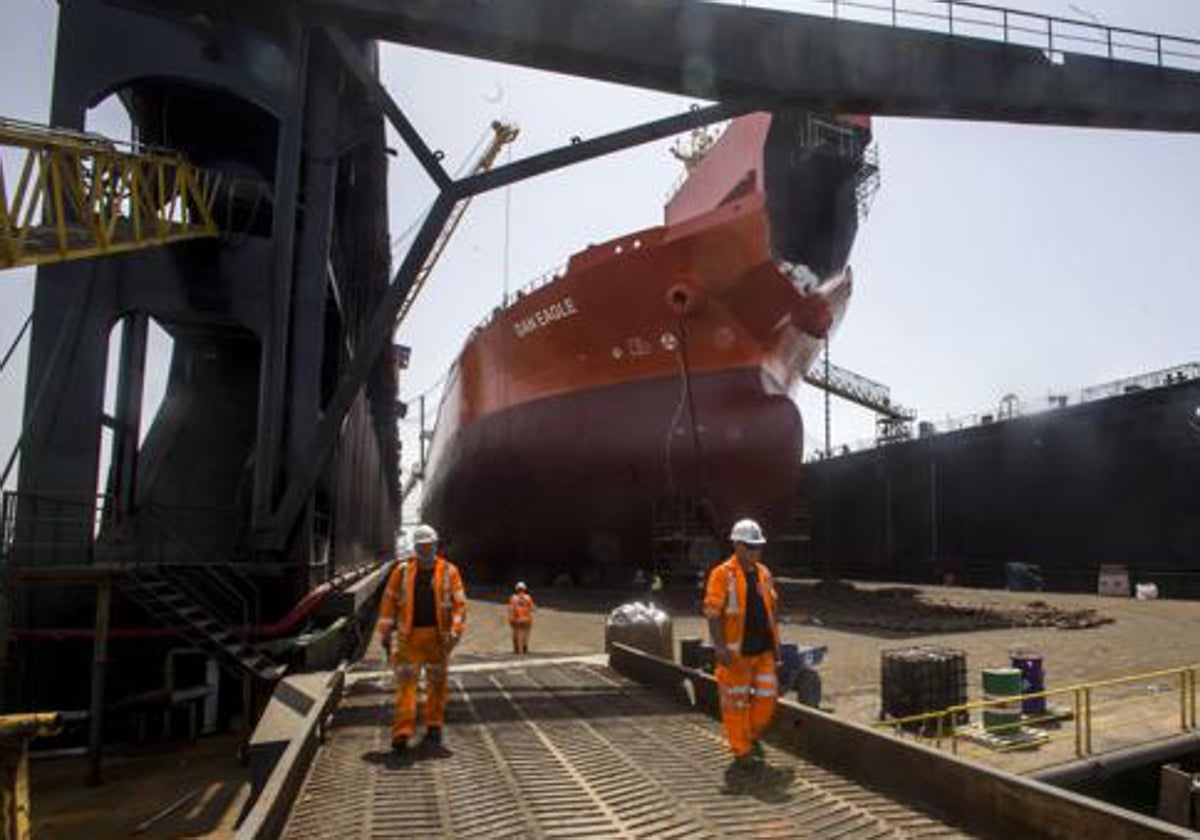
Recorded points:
(996, 258)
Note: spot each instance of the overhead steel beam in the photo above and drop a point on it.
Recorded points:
(584, 150)
(722, 52)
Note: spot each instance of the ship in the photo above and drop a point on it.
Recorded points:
(656, 371)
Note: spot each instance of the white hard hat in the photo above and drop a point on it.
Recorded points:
(747, 531)
(424, 534)
(521, 585)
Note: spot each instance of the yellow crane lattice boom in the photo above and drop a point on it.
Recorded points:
(78, 195)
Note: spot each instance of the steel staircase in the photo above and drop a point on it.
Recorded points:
(208, 601)
(174, 606)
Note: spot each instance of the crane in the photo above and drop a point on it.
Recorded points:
(502, 135)
(77, 195)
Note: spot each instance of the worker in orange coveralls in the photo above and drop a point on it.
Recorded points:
(421, 620)
(740, 604)
(520, 616)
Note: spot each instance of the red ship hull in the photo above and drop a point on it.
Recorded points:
(659, 367)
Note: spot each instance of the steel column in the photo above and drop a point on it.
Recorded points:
(306, 352)
(130, 388)
(274, 366)
(366, 354)
(99, 676)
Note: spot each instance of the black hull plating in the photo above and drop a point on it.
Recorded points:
(569, 484)
(1113, 481)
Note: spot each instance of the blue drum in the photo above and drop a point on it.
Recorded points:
(1033, 679)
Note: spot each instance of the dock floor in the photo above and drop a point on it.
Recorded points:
(571, 749)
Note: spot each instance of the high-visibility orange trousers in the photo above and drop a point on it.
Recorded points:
(521, 637)
(424, 648)
(747, 689)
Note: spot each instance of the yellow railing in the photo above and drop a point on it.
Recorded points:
(16, 822)
(1113, 696)
(78, 195)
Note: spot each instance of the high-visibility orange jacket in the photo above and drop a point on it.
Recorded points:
(725, 601)
(520, 609)
(396, 611)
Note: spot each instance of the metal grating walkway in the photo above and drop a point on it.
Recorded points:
(571, 750)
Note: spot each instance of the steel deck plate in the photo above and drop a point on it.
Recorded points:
(572, 750)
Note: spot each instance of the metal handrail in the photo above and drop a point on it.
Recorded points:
(1059, 33)
(944, 722)
(247, 605)
(1165, 377)
(80, 524)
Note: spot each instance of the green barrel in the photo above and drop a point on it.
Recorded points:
(999, 683)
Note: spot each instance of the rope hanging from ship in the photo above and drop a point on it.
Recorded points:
(704, 507)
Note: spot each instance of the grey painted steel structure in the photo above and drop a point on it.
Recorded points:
(266, 422)
(260, 320)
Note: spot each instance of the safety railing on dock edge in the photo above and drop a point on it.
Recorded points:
(1163, 702)
(1055, 35)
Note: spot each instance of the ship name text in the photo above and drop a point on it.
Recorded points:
(545, 316)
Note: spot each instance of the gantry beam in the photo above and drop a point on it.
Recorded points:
(997, 65)
(858, 389)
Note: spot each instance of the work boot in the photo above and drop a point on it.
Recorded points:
(756, 750)
(744, 764)
(400, 747)
(739, 775)
(433, 736)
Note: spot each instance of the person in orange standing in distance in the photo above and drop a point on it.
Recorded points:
(421, 621)
(741, 605)
(520, 616)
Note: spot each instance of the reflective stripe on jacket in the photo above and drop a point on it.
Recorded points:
(725, 601)
(450, 599)
(520, 609)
